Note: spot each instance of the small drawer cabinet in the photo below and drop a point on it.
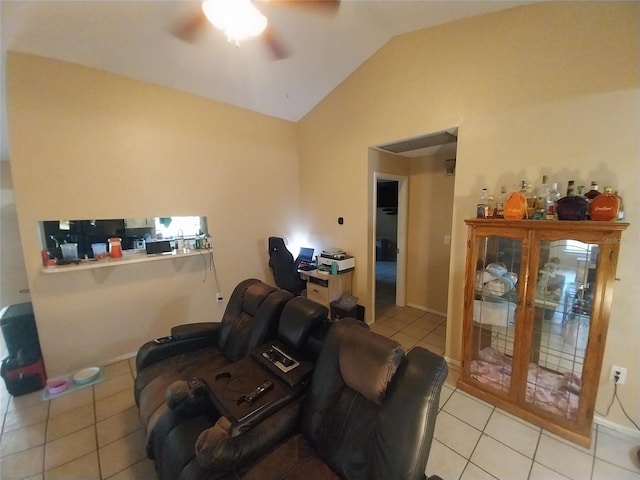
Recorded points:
(326, 288)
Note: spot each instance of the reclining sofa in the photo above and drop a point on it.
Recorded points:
(359, 408)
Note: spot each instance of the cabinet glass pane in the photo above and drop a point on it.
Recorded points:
(562, 314)
(494, 307)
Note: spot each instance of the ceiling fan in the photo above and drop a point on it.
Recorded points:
(240, 19)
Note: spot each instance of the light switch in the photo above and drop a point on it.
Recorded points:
(447, 239)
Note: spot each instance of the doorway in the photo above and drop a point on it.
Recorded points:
(390, 234)
(410, 277)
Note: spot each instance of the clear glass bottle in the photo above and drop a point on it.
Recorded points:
(621, 210)
(552, 197)
(483, 204)
(491, 207)
(500, 203)
(541, 200)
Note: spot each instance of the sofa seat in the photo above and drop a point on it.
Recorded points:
(155, 379)
(251, 317)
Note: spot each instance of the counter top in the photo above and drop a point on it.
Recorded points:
(127, 259)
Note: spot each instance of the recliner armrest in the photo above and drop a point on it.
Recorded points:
(194, 330)
(184, 338)
(220, 449)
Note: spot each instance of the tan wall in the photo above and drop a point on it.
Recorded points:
(87, 144)
(430, 215)
(14, 286)
(549, 88)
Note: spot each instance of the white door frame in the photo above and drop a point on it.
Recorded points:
(401, 265)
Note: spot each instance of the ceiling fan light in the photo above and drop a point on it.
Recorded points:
(237, 18)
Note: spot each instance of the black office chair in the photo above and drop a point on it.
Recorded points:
(284, 267)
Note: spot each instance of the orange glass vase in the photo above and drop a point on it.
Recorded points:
(605, 207)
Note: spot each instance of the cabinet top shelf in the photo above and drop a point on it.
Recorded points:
(582, 226)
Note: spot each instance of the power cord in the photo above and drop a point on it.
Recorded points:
(615, 397)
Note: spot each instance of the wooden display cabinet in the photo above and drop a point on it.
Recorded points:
(536, 312)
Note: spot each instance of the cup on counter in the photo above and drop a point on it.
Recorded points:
(99, 250)
(69, 251)
(115, 247)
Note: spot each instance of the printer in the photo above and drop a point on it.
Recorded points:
(344, 262)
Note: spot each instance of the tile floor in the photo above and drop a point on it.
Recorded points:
(94, 433)
(474, 440)
(385, 285)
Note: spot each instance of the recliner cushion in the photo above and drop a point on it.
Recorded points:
(298, 317)
(368, 362)
(247, 319)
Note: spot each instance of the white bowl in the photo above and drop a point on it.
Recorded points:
(86, 375)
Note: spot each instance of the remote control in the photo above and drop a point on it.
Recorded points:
(258, 392)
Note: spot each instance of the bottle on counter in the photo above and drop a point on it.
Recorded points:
(605, 207)
(482, 207)
(552, 197)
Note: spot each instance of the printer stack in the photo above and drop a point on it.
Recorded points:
(343, 262)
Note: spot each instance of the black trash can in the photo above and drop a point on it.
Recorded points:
(19, 329)
(338, 312)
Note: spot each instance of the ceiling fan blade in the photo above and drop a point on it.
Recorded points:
(322, 6)
(191, 26)
(274, 43)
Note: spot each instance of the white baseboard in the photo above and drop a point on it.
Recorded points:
(452, 362)
(428, 310)
(627, 431)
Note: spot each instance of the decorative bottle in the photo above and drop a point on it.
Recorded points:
(605, 207)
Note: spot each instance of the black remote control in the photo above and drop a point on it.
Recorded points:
(258, 392)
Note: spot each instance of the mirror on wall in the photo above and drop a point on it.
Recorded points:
(134, 233)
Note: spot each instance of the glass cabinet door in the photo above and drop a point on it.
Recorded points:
(565, 284)
(494, 310)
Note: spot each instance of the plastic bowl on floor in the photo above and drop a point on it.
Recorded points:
(86, 375)
(57, 385)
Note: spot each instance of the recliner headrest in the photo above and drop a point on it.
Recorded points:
(298, 317)
(254, 296)
(368, 362)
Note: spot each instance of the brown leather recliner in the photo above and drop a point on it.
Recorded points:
(369, 414)
(250, 319)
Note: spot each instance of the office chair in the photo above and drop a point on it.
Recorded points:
(284, 267)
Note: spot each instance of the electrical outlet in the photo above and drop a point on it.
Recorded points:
(619, 372)
(219, 296)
